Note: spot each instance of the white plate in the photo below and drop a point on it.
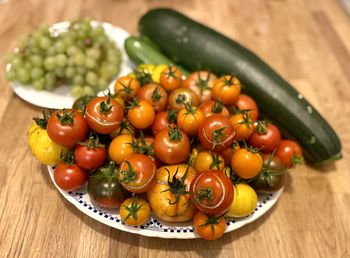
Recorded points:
(156, 227)
(60, 97)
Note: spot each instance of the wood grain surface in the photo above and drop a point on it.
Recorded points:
(308, 42)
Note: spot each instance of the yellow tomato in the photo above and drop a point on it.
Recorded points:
(169, 197)
(208, 160)
(121, 147)
(244, 202)
(43, 148)
(135, 211)
(148, 68)
(157, 71)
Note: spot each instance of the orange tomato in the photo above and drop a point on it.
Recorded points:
(208, 160)
(227, 88)
(246, 164)
(126, 87)
(170, 78)
(121, 147)
(243, 126)
(189, 119)
(141, 114)
(209, 228)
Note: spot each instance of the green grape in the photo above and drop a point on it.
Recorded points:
(36, 73)
(77, 91)
(51, 51)
(36, 60)
(27, 65)
(60, 72)
(89, 91)
(79, 59)
(91, 78)
(113, 59)
(90, 63)
(45, 42)
(23, 75)
(61, 60)
(39, 84)
(50, 78)
(103, 72)
(68, 41)
(101, 39)
(59, 46)
(93, 53)
(81, 70)
(78, 80)
(17, 62)
(102, 84)
(50, 63)
(69, 72)
(112, 70)
(23, 41)
(99, 30)
(11, 75)
(72, 50)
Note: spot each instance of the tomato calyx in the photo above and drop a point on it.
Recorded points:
(109, 172)
(189, 108)
(261, 127)
(133, 209)
(212, 221)
(177, 186)
(171, 116)
(217, 137)
(143, 76)
(125, 125)
(128, 175)
(68, 158)
(205, 194)
(171, 73)
(228, 81)
(126, 89)
(132, 104)
(202, 83)
(216, 161)
(141, 146)
(65, 118)
(246, 120)
(81, 103)
(297, 159)
(93, 142)
(42, 122)
(217, 106)
(156, 95)
(105, 107)
(174, 133)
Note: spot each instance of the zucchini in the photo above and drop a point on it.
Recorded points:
(141, 52)
(195, 46)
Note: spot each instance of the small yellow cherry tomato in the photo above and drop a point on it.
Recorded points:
(244, 202)
(135, 211)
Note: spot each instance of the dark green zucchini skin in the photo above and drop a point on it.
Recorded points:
(195, 46)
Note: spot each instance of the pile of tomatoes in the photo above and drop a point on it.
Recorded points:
(185, 148)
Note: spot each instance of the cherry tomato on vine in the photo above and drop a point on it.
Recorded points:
(267, 137)
(216, 132)
(171, 145)
(209, 228)
(211, 107)
(137, 173)
(207, 160)
(243, 126)
(227, 88)
(155, 95)
(178, 97)
(246, 163)
(290, 153)
(212, 192)
(141, 114)
(121, 147)
(189, 119)
(67, 127)
(244, 102)
(135, 211)
(201, 82)
(126, 87)
(170, 78)
(163, 120)
(104, 114)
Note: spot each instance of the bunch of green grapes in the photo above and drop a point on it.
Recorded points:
(83, 57)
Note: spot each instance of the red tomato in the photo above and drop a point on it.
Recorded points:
(67, 127)
(211, 107)
(69, 177)
(141, 114)
(137, 173)
(171, 145)
(155, 95)
(91, 154)
(227, 88)
(201, 82)
(162, 121)
(228, 152)
(170, 78)
(290, 153)
(267, 140)
(178, 97)
(244, 102)
(104, 114)
(212, 192)
(216, 132)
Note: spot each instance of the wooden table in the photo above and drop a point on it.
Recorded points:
(308, 42)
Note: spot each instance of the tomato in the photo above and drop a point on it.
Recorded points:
(126, 87)
(155, 95)
(163, 120)
(212, 192)
(244, 102)
(216, 132)
(201, 82)
(246, 164)
(189, 119)
(211, 107)
(169, 197)
(227, 88)
(170, 78)
(104, 188)
(42, 147)
(207, 160)
(171, 145)
(228, 152)
(267, 138)
(157, 71)
(121, 147)
(137, 173)
(141, 114)
(271, 176)
(243, 126)
(104, 114)
(209, 228)
(178, 97)
(80, 103)
(244, 202)
(124, 128)
(290, 153)
(135, 211)
(90, 154)
(67, 127)
(69, 176)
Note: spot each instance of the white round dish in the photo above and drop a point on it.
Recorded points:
(60, 97)
(155, 227)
